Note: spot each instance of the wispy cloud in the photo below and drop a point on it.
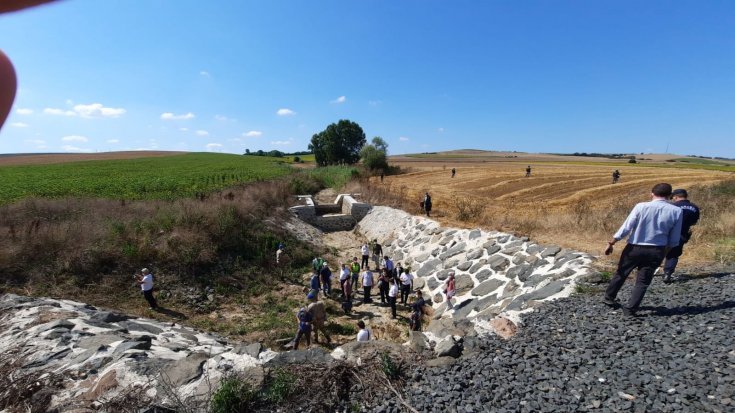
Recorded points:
(374, 102)
(440, 130)
(18, 125)
(252, 134)
(214, 147)
(75, 138)
(69, 148)
(281, 143)
(23, 111)
(285, 112)
(341, 99)
(205, 73)
(98, 110)
(403, 139)
(59, 112)
(113, 141)
(171, 116)
(223, 118)
(202, 132)
(184, 129)
(35, 141)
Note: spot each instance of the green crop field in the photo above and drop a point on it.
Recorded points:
(142, 178)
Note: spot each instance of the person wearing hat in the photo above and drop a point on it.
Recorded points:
(652, 229)
(691, 216)
(145, 280)
(318, 317)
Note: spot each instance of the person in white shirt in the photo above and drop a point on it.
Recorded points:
(364, 333)
(406, 286)
(392, 294)
(344, 276)
(145, 280)
(365, 250)
(367, 285)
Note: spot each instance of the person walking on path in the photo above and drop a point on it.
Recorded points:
(344, 277)
(304, 321)
(392, 295)
(326, 276)
(417, 311)
(315, 284)
(365, 251)
(449, 290)
(690, 217)
(318, 316)
(652, 229)
(454, 171)
(367, 285)
(383, 285)
(616, 176)
(427, 204)
(377, 253)
(389, 265)
(364, 333)
(406, 286)
(355, 270)
(145, 280)
(528, 171)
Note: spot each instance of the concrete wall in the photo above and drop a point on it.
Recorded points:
(342, 215)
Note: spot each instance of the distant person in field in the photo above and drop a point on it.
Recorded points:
(616, 176)
(145, 280)
(691, 217)
(318, 316)
(427, 204)
(365, 251)
(528, 171)
(377, 254)
(279, 253)
(454, 171)
(382, 175)
(652, 229)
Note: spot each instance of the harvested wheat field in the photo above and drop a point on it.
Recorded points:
(573, 204)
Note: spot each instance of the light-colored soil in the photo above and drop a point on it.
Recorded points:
(41, 159)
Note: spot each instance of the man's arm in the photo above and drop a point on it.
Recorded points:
(630, 222)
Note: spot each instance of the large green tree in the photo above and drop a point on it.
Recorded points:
(374, 156)
(340, 143)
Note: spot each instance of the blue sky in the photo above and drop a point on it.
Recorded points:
(426, 75)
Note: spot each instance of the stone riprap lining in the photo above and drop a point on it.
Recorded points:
(101, 353)
(495, 273)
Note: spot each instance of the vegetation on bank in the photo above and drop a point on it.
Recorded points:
(170, 177)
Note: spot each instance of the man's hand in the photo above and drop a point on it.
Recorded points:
(609, 249)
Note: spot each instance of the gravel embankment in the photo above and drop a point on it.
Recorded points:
(576, 354)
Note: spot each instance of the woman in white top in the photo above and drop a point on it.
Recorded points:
(392, 295)
(145, 280)
(364, 333)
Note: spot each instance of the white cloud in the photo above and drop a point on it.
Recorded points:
(35, 141)
(223, 118)
(214, 147)
(113, 141)
(205, 73)
(285, 112)
(19, 125)
(69, 148)
(341, 99)
(374, 102)
(403, 139)
(281, 143)
(184, 129)
(440, 130)
(75, 138)
(59, 112)
(252, 134)
(23, 111)
(97, 110)
(171, 116)
(202, 132)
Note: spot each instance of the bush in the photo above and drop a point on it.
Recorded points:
(632, 161)
(233, 396)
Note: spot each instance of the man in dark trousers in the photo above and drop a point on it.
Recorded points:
(528, 171)
(616, 176)
(652, 229)
(454, 171)
(427, 204)
(691, 216)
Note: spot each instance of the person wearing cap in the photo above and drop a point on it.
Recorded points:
(449, 290)
(318, 317)
(145, 280)
(691, 217)
(652, 229)
(326, 278)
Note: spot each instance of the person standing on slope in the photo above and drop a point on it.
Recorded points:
(691, 217)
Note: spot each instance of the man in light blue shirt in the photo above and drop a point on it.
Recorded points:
(652, 229)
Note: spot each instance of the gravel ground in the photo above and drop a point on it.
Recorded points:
(576, 354)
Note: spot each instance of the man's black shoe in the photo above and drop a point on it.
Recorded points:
(609, 301)
(629, 313)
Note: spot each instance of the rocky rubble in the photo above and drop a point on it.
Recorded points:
(579, 355)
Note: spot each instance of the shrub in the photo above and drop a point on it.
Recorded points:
(469, 208)
(281, 386)
(234, 395)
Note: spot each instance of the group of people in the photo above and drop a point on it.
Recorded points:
(657, 231)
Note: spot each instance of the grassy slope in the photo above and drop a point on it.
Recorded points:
(143, 178)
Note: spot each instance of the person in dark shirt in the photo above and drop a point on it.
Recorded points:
(616, 176)
(427, 204)
(691, 216)
(454, 171)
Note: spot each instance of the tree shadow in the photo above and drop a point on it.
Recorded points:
(684, 278)
(661, 311)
